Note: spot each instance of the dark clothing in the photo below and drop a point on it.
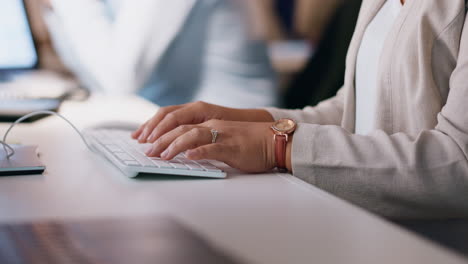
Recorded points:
(324, 73)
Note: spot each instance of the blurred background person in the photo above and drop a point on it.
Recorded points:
(48, 58)
(170, 52)
(330, 33)
(308, 41)
(279, 20)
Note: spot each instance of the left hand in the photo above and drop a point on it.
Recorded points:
(247, 146)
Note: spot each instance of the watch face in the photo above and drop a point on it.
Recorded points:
(285, 125)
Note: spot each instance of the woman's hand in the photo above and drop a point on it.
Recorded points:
(168, 118)
(247, 146)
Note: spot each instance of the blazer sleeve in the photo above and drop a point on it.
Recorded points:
(328, 112)
(396, 175)
(109, 51)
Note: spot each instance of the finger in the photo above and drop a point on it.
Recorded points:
(137, 133)
(194, 138)
(148, 127)
(182, 116)
(164, 141)
(216, 151)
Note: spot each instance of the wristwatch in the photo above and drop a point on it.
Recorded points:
(282, 129)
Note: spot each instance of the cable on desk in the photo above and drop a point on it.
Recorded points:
(11, 151)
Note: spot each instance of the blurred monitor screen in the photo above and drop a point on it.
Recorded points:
(17, 50)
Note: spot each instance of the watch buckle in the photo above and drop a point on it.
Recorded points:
(285, 135)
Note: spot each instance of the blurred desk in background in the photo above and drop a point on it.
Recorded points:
(266, 218)
(27, 91)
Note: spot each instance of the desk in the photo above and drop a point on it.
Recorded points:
(268, 218)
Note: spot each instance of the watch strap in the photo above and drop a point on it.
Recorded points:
(281, 142)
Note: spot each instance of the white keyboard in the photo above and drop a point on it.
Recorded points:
(129, 156)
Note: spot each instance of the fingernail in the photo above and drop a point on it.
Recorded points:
(142, 139)
(165, 153)
(149, 152)
(190, 153)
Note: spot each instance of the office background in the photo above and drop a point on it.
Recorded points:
(308, 40)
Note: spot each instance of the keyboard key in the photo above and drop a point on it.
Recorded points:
(124, 157)
(106, 136)
(212, 168)
(208, 166)
(114, 148)
(195, 167)
(178, 165)
(143, 147)
(203, 162)
(103, 139)
(131, 163)
(162, 164)
(141, 158)
(145, 161)
(192, 165)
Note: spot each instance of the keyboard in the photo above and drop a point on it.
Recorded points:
(129, 156)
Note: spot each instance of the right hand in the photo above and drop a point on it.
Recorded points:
(170, 117)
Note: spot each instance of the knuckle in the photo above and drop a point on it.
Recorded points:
(159, 141)
(214, 123)
(196, 132)
(175, 144)
(171, 117)
(156, 144)
(200, 105)
(210, 122)
(183, 128)
(163, 110)
(202, 152)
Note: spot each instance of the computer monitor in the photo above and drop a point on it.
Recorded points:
(17, 48)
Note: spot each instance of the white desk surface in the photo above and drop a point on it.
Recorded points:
(265, 218)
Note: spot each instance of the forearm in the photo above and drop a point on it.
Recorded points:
(397, 176)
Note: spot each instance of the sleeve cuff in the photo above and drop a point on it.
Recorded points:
(277, 114)
(304, 152)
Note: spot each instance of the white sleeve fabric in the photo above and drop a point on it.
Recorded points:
(118, 54)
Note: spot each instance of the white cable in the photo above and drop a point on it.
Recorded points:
(19, 120)
(7, 147)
